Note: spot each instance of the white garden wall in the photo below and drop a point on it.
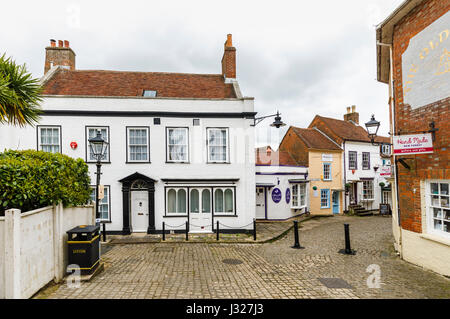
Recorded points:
(33, 247)
(2, 257)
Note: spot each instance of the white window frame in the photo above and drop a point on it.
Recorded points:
(208, 146)
(107, 198)
(432, 204)
(177, 213)
(146, 128)
(323, 172)
(372, 189)
(298, 191)
(365, 162)
(88, 148)
(355, 160)
(185, 160)
(328, 198)
(214, 201)
(39, 128)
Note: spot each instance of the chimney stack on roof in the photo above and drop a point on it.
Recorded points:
(352, 116)
(61, 55)
(229, 59)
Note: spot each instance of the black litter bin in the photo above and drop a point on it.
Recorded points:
(84, 245)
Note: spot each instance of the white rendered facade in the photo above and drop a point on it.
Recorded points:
(74, 115)
(362, 170)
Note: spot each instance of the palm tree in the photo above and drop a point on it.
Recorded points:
(20, 94)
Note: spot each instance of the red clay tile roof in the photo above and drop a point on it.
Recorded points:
(349, 131)
(271, 158)
(122, 83)
(314, 139)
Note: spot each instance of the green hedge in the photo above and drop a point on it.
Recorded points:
(33, 179)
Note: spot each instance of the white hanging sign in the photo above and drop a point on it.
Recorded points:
(413, 144)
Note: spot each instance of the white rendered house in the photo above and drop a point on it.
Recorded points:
(181, 146)
(281, 185)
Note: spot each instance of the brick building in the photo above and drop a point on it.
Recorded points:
(413, 59)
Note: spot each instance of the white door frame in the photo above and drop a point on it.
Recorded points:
(139, 212)
(200, 222)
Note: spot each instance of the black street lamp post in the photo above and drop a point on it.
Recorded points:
(98, 148)
(276, 123)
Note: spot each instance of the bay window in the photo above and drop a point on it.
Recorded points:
(298, 195)
(438, 207)
(368, 190)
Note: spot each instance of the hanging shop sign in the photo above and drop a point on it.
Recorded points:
(413, 144)
(385, 171)
(276, 195)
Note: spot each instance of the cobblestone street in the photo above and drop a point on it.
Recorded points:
(271, 270)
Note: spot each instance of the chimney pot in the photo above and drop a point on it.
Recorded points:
(353, 108)
(348, 109)
(60, 43)
(229, 42)
(52, 42)
(66, 43)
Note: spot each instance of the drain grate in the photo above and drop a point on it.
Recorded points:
(232, 261)
(336, 283)
(163, 249)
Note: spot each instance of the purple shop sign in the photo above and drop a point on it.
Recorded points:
(288, 195)
(276, 195)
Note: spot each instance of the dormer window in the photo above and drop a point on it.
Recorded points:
(149, 93)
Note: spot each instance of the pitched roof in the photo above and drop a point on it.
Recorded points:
(271, 158)
(124, 83)
(349, 131)
(314, 139)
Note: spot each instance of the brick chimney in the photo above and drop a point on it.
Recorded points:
(352, 115)
(61, 55)
(229, 59)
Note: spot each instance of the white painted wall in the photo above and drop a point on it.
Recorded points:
(375, 159)
(33, 247)
(2, 257)
(276, 175)
(241, 140)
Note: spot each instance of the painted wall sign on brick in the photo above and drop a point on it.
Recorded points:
(426, 65)
(413, 144)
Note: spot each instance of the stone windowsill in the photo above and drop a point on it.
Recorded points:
(441, 240)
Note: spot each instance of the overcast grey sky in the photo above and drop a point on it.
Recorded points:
(301, 57)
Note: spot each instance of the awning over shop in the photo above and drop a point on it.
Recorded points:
(298, 181)
(265, 185)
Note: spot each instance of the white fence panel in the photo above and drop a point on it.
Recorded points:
(2, 257)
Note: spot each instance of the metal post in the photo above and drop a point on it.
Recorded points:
(217, 230)
(187, 230)
(347, 250)
(297, 242)
(164, 231)
(254, 228)
(97, 202)
(104, 232)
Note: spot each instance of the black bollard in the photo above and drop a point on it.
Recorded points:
(217, 230)
(187, 230)
(254, 228)
(104, 232)
(297, 242)
(348, 250)
(164, 231)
